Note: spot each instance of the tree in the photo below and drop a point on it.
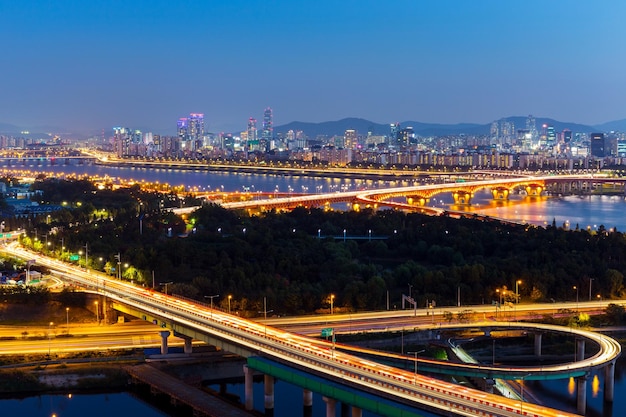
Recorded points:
(615, 314)
(133, 274)
(616, 280)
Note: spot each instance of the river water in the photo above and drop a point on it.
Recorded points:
(73, 405)
(588, 212)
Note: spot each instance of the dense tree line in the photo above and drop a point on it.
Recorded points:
(297, 259)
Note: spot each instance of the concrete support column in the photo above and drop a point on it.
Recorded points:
(164, 335)
(581, 394)
(331, 406)
(489, 383)
(249, 392)
(345, 410)
(538, 337)
(580, 350)
(609, 381)
(357, 412)
(268, 387)
(188, 349)
(307, 398)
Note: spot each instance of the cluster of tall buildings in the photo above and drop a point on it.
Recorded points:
(506, 145)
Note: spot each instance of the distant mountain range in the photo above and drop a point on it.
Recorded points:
(362, 126)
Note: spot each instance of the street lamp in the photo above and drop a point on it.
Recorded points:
(229, 298)
(211, 297)
(415, 353)
(332, 298)
(576, 288)
(119, 266)
(590, 281)
(517, 283)
(67, 319)
(265, 311)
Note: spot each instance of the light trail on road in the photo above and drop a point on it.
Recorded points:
(308, 353)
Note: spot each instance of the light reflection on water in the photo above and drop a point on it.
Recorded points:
(584, 212)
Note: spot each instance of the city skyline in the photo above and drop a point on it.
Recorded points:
(94, 65)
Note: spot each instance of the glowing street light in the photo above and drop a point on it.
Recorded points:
(332, 299)
(229, 298)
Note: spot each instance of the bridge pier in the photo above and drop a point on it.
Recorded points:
(538, 337)
(307, 401)
(462, 198)
(307, 398)
(248, 390)
(164, 335)
(534, 190)
(500, 193)
(489, 384)
(188, 348)
(356, 412)
(268, 386)
(581, 394)
(417, 200)
(609, 381)
(331, 406)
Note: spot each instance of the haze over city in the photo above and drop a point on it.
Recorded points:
(93, 65)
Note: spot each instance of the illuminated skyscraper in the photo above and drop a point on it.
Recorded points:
(253, 139)
(551, 136)
(182, 128)
(393, 137)
(268, 125)
(531, 126)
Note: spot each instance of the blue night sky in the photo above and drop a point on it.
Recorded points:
(144, 63)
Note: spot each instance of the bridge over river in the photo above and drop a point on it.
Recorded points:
(416, 198)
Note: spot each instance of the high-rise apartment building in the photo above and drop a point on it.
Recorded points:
(349, 139)
(196, 126)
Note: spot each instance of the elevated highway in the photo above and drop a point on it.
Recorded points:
(252, 339)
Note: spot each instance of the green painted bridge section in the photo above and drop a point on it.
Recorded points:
(343, 393)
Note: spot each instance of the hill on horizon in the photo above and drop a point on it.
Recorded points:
(362, 126)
